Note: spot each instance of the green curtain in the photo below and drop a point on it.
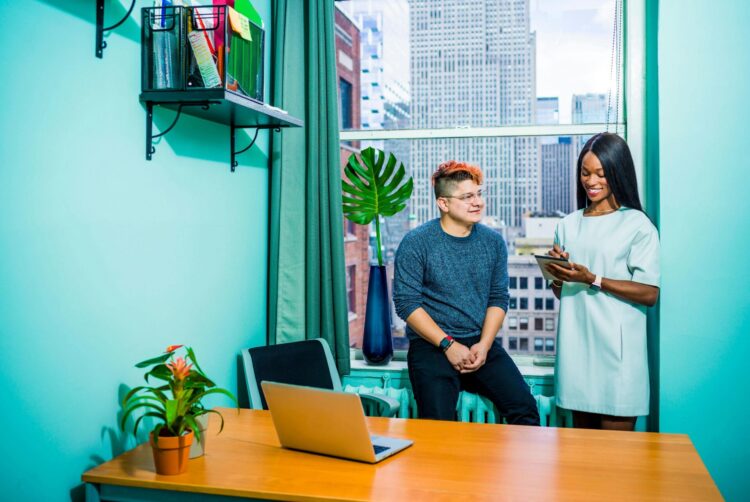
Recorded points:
(307, 283)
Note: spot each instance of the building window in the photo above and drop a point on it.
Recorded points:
(513, 303)
(538, 303)
(524, 283)
(345, 93)
(512, 322)
(351, 291)
(513, 282)
(549, 344)
(523, 323)
(512, 343)
(538, 323)
(549, 304)
(538, 283)
(524, 304)
(525, 344)
(351, 229)
(549, 324)
(538, 344)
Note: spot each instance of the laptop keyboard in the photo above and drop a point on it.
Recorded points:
(379, 448)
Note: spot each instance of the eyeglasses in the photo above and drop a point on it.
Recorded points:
(468, 197)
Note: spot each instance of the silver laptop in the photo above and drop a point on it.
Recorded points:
(326, 422)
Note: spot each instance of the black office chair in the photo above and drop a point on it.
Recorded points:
(307, 363)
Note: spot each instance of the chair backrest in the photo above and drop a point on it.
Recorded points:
(298, 363)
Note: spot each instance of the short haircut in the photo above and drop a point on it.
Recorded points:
(450, 173)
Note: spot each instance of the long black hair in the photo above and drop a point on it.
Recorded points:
(617, 162)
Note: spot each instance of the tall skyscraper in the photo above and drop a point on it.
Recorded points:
(472, 63)
(558, 176)
(588, 109)
(547, 110)
(384, 75)
(556, 162)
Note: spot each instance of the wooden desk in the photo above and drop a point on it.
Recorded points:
(448, 461)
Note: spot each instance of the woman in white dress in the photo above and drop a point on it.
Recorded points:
(602, 362)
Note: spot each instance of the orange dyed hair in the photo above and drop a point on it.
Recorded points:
(451, 172)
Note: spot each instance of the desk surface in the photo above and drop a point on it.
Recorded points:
(448, 461)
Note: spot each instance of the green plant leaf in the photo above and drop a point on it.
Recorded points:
(149, 414)
(224, 392)
(193, 359)
(375, 188)
(137, 406)
(205, 412)
(171, 411)
(154, 360)
(161, 372)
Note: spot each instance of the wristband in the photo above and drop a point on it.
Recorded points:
(597, 284)
(446, 342)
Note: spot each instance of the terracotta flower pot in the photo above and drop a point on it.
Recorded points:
(171, 454)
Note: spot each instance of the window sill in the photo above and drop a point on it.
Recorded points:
(530, 366)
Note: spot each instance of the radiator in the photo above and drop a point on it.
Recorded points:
(470, 407)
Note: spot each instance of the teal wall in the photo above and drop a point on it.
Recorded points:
(106, 258)
(704, 105)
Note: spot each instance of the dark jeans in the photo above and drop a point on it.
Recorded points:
(436, 384)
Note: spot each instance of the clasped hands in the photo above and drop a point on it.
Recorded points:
(465, 359)
(573, 273)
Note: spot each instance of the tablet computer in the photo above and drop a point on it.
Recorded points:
(544, 260)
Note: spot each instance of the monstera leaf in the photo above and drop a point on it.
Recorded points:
(374, 189)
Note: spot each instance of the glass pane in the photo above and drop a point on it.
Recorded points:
(479, 63)
(523, 204)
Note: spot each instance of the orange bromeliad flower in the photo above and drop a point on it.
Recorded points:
(172, 348)
(179, 368)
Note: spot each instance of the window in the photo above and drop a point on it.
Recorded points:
(538, 344)
(538, 303)
(524, 323)
(538, 323)
(416, 58)
(549, 344)
(524, 344)
(351, 291)
(512, 303)
(345, 93)
(512, 322)
(513, 343)
(549, 324)
(350, 229)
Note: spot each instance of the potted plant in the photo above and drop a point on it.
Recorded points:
(373, 189)
(176, 405)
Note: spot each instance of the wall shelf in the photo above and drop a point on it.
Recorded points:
(217, 105)
(100, 28)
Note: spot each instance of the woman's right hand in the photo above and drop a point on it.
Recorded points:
(557, 252)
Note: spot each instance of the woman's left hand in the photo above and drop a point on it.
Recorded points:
(573, 273)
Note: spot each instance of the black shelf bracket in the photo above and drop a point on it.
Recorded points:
(100, 29)
(233, 161)
(150, 136)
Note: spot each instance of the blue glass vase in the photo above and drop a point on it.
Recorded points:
(377, 344)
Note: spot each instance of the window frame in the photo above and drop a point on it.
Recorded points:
(632, 128)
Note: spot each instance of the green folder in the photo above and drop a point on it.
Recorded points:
(246, 8)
